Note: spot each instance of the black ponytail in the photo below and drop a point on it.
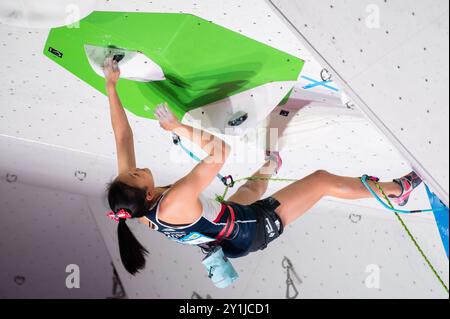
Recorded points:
(132, 252)
(123, 196)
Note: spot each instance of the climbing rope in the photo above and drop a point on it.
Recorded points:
(221, 198)
(378, 186)
(397, 212)
(376, 179)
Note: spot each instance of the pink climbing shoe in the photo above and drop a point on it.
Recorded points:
(274, 156)
(408, 183)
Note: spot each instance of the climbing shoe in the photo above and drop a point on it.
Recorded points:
(275, 157)
(408, 183)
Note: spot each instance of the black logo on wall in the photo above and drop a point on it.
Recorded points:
(55, 52)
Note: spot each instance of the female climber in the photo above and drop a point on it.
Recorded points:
(242, 224)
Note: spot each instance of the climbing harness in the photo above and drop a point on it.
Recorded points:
(287, 264)
(375, 180)
(364, 178)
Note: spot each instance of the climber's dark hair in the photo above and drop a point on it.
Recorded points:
(132, 199)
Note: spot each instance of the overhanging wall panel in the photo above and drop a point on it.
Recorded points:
(397, 72)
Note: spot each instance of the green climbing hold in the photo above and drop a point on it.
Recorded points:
(202, 61)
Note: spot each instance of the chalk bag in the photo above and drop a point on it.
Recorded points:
(220, 270)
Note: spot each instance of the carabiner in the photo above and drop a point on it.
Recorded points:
(370, 178)
(225, 181)
(290, 284)
(176, 139)
(286, 263)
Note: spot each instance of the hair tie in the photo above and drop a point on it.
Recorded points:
(121, 214)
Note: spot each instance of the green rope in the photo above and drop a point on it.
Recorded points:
(412, 238)
(221, 198)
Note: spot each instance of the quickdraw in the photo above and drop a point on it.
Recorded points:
(226, 180)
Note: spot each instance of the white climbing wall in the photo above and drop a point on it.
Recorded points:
(56, 137)
(391, 57)
(45, 233)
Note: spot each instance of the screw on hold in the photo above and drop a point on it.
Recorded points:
(11, 178)
(238, 118)
(354, 218)
(284, 113)
(80, 175)
(350, 105)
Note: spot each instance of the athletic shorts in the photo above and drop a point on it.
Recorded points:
(269, 225)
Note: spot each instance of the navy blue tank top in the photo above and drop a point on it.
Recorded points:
(205, 230)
